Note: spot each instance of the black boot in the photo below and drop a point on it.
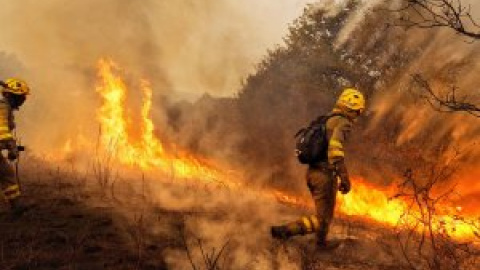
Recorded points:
(280, 232)
(325, 245)
(328, 245)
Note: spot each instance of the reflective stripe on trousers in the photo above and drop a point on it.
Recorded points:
(11, 192)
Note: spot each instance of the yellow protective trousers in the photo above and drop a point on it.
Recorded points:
(323, 186)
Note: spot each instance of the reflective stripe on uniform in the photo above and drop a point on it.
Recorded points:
(13, 195)
(5, 120)
(308, 224)
(5, 133)
(335, 149)
(315, 223)
(11, 192)
(335, 153)
(335, 144)
(6, 136)
(11, 188)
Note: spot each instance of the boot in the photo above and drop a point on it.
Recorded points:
(286, 231)
(328, 245)
(325, 245)
(280, 232)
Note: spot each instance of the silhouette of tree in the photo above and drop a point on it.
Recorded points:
(453, 14)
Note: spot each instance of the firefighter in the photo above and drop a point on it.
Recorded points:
(328, 176)
(14, 93)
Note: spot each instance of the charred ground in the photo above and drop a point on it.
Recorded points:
(76, 223)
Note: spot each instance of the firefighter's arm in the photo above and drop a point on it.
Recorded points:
(336, 154)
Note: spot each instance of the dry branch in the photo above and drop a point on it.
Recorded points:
(423, 235)
(453, 14)
(447, 103)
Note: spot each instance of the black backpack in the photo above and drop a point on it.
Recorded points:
(312, 145)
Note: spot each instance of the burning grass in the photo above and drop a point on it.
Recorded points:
(189, 183)
(149, 153)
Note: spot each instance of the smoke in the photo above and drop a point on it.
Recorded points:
(186, 48)
(445, 59)
(356, 18)
(237, 219)
(369, 52)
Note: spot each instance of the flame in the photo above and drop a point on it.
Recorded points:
(149, 153)
(376, 203)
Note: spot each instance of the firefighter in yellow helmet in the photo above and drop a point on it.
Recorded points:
(14, 92)
(328, 176)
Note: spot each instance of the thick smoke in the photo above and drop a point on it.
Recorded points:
(445, 59)
(297, 83)
(186, 48)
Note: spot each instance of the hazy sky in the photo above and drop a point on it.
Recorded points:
(195, 46)
(184, 47)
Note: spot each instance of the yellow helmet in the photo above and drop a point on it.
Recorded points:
(16, 87)
(351, 99)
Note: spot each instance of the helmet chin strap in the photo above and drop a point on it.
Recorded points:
(352, 115)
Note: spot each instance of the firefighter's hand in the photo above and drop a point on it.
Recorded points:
(345, 186)
(12, 155)
(341, 172)
(12, 150)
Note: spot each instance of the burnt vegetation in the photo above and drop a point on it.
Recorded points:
(425, 231)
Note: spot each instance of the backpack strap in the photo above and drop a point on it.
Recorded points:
(317, 120)
(336, 114)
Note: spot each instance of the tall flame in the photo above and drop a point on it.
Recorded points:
(148, 152)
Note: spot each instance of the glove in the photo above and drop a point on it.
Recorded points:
(345, 186)
(12, 155)
(12, 150)
(341, 172)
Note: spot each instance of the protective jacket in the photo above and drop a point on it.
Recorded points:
(8, 184)
(7, 123)
(338, 129)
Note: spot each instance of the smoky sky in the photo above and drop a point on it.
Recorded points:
(185, 48)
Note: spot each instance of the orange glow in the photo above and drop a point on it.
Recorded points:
(150, 153)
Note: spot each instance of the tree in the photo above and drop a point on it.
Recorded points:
(452, 14)
(447, 103)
